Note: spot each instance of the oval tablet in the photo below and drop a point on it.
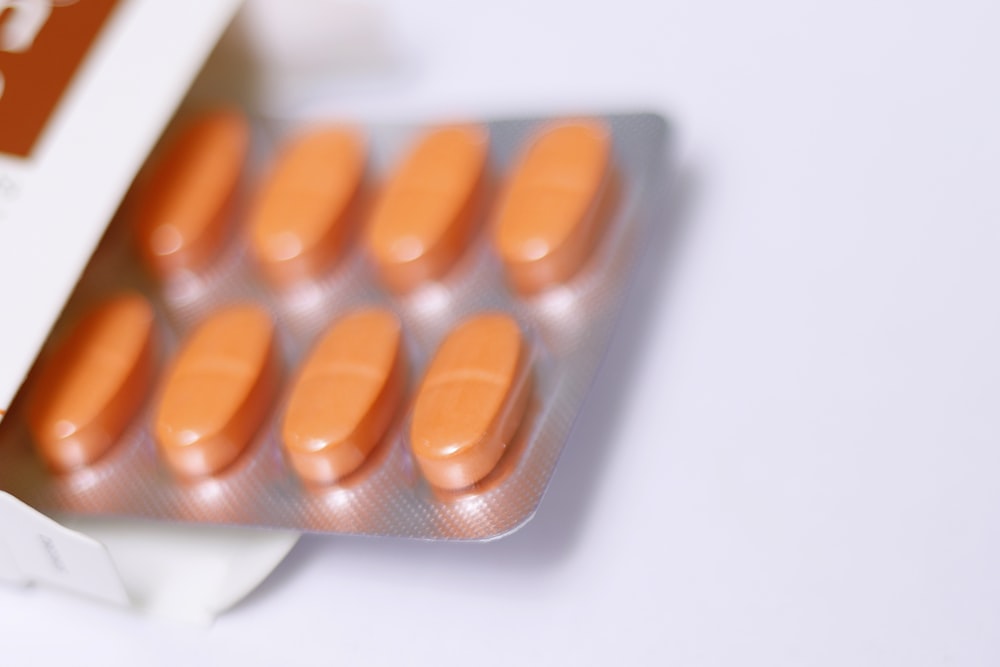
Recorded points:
(548, 220)
(346, 395)
(182, 206)
(300, 219)
(471, 401)
(93, 384)
(218, 391)
(426, 214)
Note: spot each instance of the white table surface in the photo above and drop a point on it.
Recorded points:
(792, 457)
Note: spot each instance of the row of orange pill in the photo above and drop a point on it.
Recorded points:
(222, 382)
(545, 224)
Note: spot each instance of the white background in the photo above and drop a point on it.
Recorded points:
(792, 457)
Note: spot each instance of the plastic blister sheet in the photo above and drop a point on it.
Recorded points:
(568, 327)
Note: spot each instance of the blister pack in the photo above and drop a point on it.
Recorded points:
(331, 327)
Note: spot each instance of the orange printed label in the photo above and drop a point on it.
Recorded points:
(42, 43)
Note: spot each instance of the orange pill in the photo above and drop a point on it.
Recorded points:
(182, 206)
(218, 391)
(93, 384)
(346, 395)
(548, 221)
(426, 214)
(471, 401)
(301, 218)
